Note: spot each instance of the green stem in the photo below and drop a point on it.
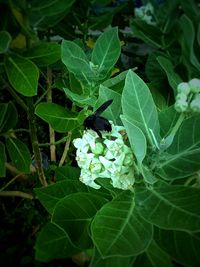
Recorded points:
(34, 141)
(178, 124)
(55, 143)
(17, 98)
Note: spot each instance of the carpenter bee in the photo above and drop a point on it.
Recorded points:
(98, 123)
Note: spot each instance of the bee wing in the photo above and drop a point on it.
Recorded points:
(103, 107)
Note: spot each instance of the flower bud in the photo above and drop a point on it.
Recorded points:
(183, 88)
(181, 97)
(195, 105)
(98, 149)
(181, 106)
(194, 85)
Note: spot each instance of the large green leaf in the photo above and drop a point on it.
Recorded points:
(106, 51)
(50, 7)
(167, 66)
(198, 35)
(187, 41)
(22, 74)
(190, 8)
(74, 213)
(67, 172)
(5, 40)
(139, 108)
(153, 70)
(117, 229)
(83, 99)
(114, 81)
(182, 158)
(76, 61)
(136, 139)
(167, 118)
(44, 53)
(3, 160)
(148, 33)
(112, 112)
(116, 261)
(183, 247)
(57, 116)
(50, 195)
(19, 154)
(8, 116)
(157, 256)
(170, 207)
(53, 243)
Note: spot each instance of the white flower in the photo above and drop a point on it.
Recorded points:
(88, 178)
(146, 13)
(107, 158)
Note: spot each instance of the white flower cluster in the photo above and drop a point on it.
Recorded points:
(188, 97)
(108, 157)
(145, 13)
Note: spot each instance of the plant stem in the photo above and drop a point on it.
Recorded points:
(34, 141)
(16, 194)
(64, 155)
(62, 140)
(51, 130)
(11, 181)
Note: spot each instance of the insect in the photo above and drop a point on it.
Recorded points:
(98, 123)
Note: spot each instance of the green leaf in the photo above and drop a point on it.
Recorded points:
(76, 61)
(157, 256)
(167, 118)
(148, 176)
(5, 40)
(148, 33)
(170, 207)
(183, 247)
(53, 243)
(119, 79)
(198, 35)
(22, 74)
(58, 117)
(44, 54)
(153, 70)
(182, 158)
(3, 160)
(116, 261)
(167, 66)
(117, 229)
(50, 8)
(74, 213)
(19, 154)
(112, 112)
(67, 172)
(50, 195)
(136, 138)
(187, 41)
(106, 51)
(139, 108)
(83, 99)
(8, 117)
(190, 8)
(3, 110)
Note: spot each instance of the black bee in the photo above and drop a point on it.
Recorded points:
(98, 123)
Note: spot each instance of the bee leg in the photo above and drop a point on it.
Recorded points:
(98, 132)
